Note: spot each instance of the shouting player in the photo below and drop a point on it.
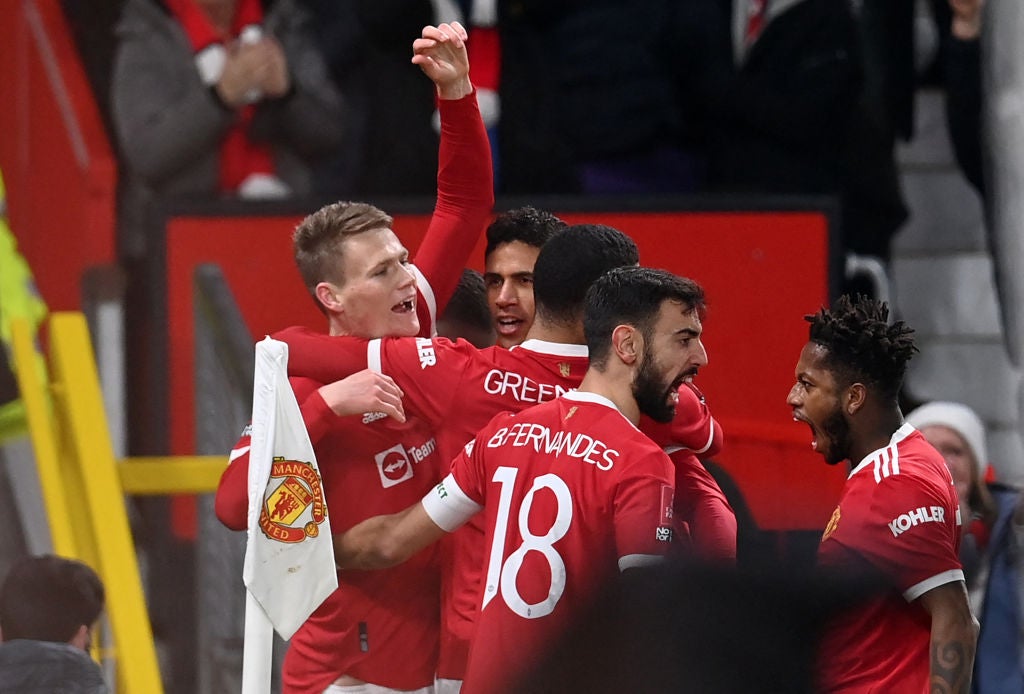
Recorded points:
(381, 629)
(897, 520)
(457, 389)
(572, 492)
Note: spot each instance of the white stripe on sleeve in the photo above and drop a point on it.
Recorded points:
(914, 592)
(373, 360)
(427, 292)
(632, 561)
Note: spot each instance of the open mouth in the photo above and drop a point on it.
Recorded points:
(507, 325)
(673, 390)
(814, 431)
(405, 306)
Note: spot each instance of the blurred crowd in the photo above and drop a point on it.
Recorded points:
(746, 97)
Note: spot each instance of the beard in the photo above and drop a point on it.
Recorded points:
(837, 431)
(651, 393)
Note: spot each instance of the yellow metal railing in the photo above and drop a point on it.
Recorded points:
(83, 485)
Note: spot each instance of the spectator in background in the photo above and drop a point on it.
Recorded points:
(219, 97)
(959, 435)
(993, 539)
(467, 315)
(48, 606)
(777, 80)
(769, 91)
(893, 69)
(514, 240)
(963, 80)
(366, 46)
(211, 99)
(574, 120)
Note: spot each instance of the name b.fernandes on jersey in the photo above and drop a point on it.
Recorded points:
(556, 443)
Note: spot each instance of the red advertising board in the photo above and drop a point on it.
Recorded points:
(762, 272)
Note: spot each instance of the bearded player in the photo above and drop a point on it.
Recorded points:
(898, 519)
(572, 492)
(457, 389)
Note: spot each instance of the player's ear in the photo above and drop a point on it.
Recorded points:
(327, 294)
(627, 343)
(854, 398)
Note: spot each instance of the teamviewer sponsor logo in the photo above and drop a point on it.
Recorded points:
(394, 466)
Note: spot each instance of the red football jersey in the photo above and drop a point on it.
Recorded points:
(705, 521)
(378, 626)
(572, 493)
(897, 518)
(383, 626)
(458, 388)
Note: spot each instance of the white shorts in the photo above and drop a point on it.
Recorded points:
(367, 688)
(447, 686)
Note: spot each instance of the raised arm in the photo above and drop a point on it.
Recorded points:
(465, 180)
(954, 637)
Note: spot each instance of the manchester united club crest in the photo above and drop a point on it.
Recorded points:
(293, 506)
(564, 369)
(833, 523)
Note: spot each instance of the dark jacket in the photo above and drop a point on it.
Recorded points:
(43, 667)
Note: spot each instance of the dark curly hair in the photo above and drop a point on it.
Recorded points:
(861, 344)
(525, 224)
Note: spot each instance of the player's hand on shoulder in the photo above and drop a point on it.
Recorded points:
(365, 391)
(441, 54)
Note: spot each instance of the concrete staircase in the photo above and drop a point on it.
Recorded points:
(943, 286)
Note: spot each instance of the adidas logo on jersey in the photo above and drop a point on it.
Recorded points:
(369, 417)
(924, 514)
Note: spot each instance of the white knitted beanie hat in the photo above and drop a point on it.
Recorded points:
(961, 419)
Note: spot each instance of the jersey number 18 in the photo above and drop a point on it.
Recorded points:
(502, 573)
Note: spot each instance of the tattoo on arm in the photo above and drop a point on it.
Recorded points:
(950, 668)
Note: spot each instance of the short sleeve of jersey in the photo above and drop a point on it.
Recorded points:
(429, 371)
(643, 511)
(907, 530)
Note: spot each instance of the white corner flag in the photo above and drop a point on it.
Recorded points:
(289, 559)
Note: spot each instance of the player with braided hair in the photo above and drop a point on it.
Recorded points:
(897, 522)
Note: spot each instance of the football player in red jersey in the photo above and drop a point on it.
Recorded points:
(572, 492)
(514, 240)
(458, 389)
(898, 518)
(381, 628)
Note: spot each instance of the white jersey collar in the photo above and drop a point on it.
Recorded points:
(903, 432)
(558, 349)
(587, 396)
